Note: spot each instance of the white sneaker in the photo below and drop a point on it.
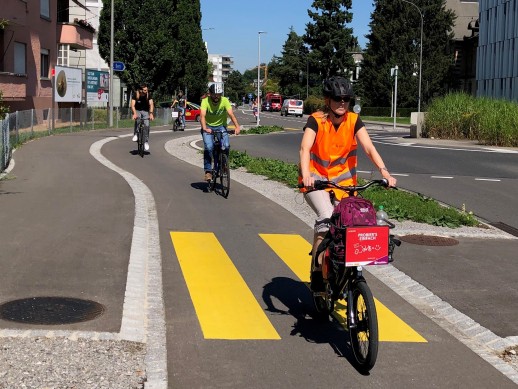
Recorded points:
(134, 139)
(146, 146)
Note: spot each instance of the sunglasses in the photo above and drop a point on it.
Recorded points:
(340, 99)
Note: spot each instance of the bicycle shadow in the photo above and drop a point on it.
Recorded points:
(135, 152)
(204, 187)
(296, 297)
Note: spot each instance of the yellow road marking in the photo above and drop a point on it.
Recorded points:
(293, 250)
(225, 306)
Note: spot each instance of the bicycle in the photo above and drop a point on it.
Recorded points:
(221, 167)
(140, 136)
(343, 279)
(177, 120)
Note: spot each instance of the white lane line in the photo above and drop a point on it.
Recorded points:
(143, 317)
(443, 177)
(488, 179)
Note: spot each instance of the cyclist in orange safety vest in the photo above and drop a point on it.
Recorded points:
(328, 151)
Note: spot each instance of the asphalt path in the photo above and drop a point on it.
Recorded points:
(66, 225)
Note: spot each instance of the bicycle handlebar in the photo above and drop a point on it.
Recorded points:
(319, 185)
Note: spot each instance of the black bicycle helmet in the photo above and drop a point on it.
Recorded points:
(337, 86)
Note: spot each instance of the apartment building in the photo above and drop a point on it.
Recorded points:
(497, 53)
(35, 36)
(221, 67)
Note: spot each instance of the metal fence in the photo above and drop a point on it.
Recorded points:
(21, 126)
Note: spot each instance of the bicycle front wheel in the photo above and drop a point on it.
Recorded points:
(364, 335)
(224, 175)
(140, 141)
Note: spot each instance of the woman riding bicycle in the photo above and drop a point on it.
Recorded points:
(328, 151)
(213, 116)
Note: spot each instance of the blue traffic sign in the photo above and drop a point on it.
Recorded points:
(119, 66)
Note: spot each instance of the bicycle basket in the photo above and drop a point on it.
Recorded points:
(367, 245)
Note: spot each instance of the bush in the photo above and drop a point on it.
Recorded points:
(313, 104)
(461, 116)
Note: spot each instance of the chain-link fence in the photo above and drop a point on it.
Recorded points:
(21, 126)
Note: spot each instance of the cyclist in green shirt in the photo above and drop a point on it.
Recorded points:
(213, 116)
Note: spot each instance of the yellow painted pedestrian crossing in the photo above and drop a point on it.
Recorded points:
(225, 306)
(293, 249)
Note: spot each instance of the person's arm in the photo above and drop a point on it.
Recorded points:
(234, 120)
(151, 110)
(308, 139)
(133, 108)
(365, 140)
(203, 122)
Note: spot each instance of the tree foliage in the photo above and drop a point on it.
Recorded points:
(394, 39)
(160, 42)
(329, 39)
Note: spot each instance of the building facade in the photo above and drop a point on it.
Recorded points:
(465, 34)
(221, 67)
(35, 36)
(497, 53)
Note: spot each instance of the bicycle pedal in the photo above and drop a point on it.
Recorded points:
(320, 294)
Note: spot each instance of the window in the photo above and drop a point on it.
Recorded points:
(44, 63)
(63, 55)
(45, 8)
(63, 15)
(20, 58)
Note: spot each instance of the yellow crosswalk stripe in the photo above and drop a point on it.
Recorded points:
(225, 306)
(293, 250)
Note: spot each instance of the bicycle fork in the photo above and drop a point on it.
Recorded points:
(351, 309)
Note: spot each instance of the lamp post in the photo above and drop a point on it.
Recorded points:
(420, 55)
(110, 92)
(259, 75)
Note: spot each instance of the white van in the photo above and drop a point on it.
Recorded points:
(292, 107)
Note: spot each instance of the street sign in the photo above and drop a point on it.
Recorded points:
(119, 66)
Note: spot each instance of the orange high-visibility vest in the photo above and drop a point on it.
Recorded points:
(333, 155)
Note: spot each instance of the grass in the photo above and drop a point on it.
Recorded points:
(461, 116)
(399, 120)
(399, 204)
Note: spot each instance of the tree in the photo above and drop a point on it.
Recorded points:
(166, 51)
(235, 86)
(291, 68)
(329, 39)
(395, 40)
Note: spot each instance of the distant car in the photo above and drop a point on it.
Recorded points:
(292, 107)
(192, 113)
(265, 106)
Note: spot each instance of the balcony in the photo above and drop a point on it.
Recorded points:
(76, 35)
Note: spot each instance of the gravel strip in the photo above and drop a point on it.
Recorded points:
(61, 363)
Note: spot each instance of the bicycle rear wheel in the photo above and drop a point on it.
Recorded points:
(364, 336)
(224, 175)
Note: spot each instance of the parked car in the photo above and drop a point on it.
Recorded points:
(192, 113)
(265, 106)
(292, 107)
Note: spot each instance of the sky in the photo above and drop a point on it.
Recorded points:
(230, 27)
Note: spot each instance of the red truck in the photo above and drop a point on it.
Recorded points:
(273, 101)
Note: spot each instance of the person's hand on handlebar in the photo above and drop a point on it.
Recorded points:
(386, 175)
(308, 181)
(208, 130)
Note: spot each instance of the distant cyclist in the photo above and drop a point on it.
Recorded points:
(213, 116)
(142, 106)
(181, 103)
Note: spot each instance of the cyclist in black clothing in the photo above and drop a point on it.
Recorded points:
(142, 105)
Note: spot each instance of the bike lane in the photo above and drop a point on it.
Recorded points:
(305, 345)
(307, 353)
